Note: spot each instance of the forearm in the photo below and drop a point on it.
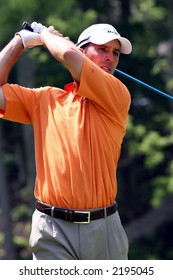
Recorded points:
(64, 51)
(8, 57)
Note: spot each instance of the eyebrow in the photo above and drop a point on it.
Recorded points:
(118, 50)
(115, 49)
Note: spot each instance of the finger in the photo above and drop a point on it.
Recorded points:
(33, 25)
(54, 31)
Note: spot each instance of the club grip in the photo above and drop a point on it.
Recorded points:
(26, 25)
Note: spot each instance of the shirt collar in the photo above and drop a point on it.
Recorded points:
(71, 87)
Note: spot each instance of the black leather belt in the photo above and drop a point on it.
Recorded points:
(76, 216)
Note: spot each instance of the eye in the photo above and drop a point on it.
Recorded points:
(103, 49)
(116, 53)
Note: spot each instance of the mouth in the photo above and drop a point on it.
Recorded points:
(106, 68)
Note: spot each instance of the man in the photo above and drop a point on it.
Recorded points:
(78, 133)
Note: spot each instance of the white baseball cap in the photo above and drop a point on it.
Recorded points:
(102, 33)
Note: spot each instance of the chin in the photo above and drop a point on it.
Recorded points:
(107, 71)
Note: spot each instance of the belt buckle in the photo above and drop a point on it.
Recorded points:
(83, 212)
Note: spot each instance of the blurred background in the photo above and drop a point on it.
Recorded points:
(145, 173)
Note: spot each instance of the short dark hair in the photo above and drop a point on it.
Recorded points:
(85, 46)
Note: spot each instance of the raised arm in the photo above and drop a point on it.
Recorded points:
(11, 53)
(8, 57)
(61, 48)
(64, 51)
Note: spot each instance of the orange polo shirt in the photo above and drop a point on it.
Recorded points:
(78, 134)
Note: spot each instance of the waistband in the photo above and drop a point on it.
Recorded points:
(76, 216)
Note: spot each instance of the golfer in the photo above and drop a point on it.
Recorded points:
(78, 133)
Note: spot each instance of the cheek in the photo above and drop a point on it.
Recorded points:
(93, 56)
(95, 59)
(116, 60)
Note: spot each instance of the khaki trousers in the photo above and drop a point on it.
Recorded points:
(55, 239)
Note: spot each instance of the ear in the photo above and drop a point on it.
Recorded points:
(81, 49)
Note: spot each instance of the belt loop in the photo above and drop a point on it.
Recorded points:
(70, 215)
(66, 215)
(52, 211)
(105, 212)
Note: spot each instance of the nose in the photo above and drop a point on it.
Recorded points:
(109, 56)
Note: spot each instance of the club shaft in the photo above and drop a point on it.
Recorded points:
(143, 84)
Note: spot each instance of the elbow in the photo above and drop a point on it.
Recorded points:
(71, 55)
(73, 60)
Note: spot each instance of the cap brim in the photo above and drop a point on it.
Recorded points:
(126, 46)
(103, 38)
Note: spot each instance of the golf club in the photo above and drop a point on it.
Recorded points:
(144, 84)
(27, 25)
